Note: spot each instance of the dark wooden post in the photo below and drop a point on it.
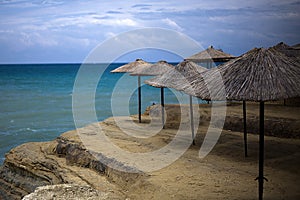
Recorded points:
(261, 151)
(245, 129)
(162, 106)
(139, 99)
(192, 119)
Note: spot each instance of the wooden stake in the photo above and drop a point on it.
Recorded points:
(261, 151)
(245, 129)
(139, 99)
(192, 119)
(162, 106)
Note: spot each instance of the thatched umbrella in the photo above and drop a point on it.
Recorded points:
(210, 55)
(155, 69)
(218, 55)
(158, 68)
(258, 75)
(297, 47)
(130, 67)
(290, 51)
(178, 78)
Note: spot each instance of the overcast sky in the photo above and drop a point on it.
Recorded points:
(66, 31)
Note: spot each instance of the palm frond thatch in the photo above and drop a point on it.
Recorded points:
(152, 70)
(177, 77)
(130, 67)
(258, 75)
(210, 54)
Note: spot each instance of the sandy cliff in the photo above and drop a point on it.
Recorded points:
(224, 174)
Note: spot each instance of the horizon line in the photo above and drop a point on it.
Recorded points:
(76, 63)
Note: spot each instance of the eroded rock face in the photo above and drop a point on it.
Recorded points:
(67, 161)
(26, 168)
(61, 161)
(66, 191)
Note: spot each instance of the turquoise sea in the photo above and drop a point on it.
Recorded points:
(36, 100)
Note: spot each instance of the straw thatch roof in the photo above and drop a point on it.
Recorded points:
(291, 51)
(258, 75)
(296, 46)
(177, 77)
(130, 67)
(152, 70)
(210, 54)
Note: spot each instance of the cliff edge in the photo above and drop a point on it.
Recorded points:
(224, 173)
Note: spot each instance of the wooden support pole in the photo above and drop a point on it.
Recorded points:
(162, 106)
(139, 99)
(261, 151)
(192, 119)
(245, 129)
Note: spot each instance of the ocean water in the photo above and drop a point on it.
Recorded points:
(36, 100)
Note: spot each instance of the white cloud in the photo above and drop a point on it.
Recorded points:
(31, 39)
(226, 31)
(80, 42)
(24, 24)
(110, 34)
(172, 24)
(115, 22)
(220, 18)
(237, 4)
(283, 15)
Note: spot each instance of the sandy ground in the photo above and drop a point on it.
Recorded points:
(225, 173)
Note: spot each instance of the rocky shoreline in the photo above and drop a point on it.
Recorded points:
(67, 161)
(62, 161)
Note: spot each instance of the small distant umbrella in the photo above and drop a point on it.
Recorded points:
(210, 55)
(130, 67)
(296, 46)
(290, 51)
(153, 70)
(258, 75)
(178, 78)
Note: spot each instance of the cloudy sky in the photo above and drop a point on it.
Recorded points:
(66, 31)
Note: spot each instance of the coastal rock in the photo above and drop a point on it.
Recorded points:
(67, 161)
(66, 191)
(61, 161)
